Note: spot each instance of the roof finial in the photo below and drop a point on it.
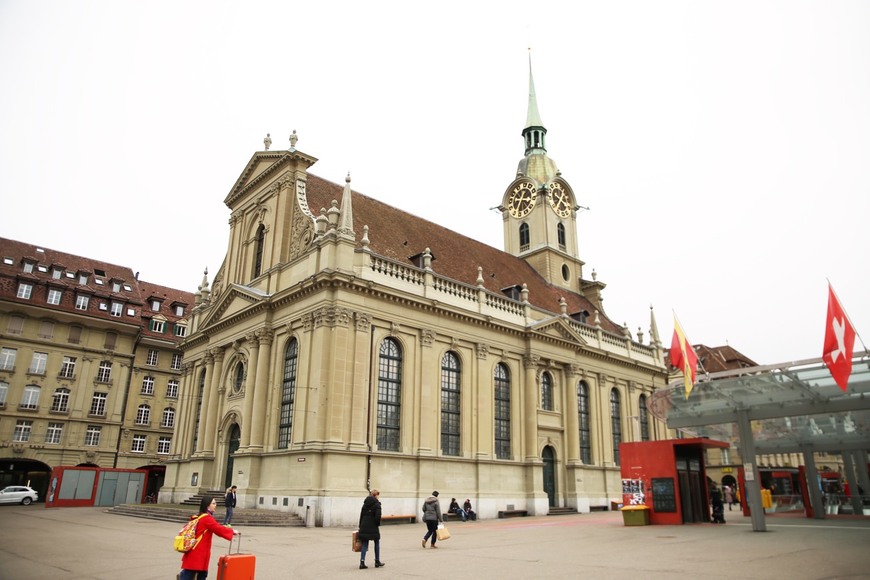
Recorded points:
(346, 225)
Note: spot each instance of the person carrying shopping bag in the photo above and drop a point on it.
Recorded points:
(432, 517)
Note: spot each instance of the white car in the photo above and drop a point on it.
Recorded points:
(18, 494)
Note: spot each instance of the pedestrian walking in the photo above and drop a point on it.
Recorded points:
(229, 504)
(432, 517)
(194, 564)
(369, 528)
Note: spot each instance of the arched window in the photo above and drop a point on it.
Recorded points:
(450, 416)
(288, 394)
(583, 420)
(546, 391)
(60, 401)
(502, 412)
(198, 407)
(615, 424)
(524, 236)
(389, 395)
(258, 257)
(560, 233)
(644, 419)
(143, 415)
(239, 379)
(168, 419)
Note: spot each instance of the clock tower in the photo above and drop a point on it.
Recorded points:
(539, 209)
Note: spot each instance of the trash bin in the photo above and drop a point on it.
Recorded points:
(635, 515)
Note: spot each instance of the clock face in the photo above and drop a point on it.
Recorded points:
(559, 200)
(522, 199)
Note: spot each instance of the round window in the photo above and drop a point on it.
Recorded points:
(566, 273)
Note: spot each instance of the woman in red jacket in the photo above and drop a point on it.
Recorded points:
(194, 564)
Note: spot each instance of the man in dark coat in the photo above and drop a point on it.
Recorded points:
(369, 528)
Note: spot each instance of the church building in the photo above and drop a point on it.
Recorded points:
(345, 344)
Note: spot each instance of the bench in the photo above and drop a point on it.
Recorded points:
(398, 520)
(512, 513)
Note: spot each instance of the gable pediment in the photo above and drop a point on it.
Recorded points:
(558, 328)
(265, 165)
(235, 301)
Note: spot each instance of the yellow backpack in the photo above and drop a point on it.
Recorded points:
(186, 540)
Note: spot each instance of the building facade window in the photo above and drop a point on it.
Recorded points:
(288, 394)
(75, 335)
(583, 421)
(98, 405)
(176, 362)
(25, 290)
(60, 401)
(258, 257)
(179, 310)
(560, 235)
(155, 305)
(7, 359)
(450, 404)
(151, 359)
(117, 309)
(15, 324)
(158, 326)
(22, 431)
(37, 363)
(172, 389)
(4, 392)
(389, 395)
(30, 399)
(143, 415)
(148, 386)
(163, 444)
(92, 435)
(54, 433)
(615, 424)
(502, 392)
(524, 237)
(546, 391)
(239, 378)
(643, 418)
(46, 329)
(104, 373)
(168, 419)
(138, 445)
(180, 330)
(82, 301)
(68, 367)
(54, 296)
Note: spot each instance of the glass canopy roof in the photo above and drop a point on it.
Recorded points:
(794, 407)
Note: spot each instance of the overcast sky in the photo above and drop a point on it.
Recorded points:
(722, 148)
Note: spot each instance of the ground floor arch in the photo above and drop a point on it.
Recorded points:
(29, 472)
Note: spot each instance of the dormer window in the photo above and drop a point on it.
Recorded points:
(582, 316)
(179, 310)
(56, 273)
(116, 286)
(83, 278)
(513, 292)
(155, 305)
(28, 267)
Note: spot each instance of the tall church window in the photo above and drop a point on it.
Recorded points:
(502, 412)
(198, 407)
(583, 420)
(560, 233)
(258, 258)
(615, 424)
(524, 236)
(389, 395)
(546, 392)
(644, 419)
(288, 394)
(450, 416)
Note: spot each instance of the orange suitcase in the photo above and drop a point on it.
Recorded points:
(236, 566)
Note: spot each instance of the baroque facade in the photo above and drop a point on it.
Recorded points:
(90, 369)
(358, 346)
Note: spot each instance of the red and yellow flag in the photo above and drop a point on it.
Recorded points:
(683, 356)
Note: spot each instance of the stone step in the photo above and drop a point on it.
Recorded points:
(561, 511)
(181, 514)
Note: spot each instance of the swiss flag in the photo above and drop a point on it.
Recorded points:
(839, 341)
